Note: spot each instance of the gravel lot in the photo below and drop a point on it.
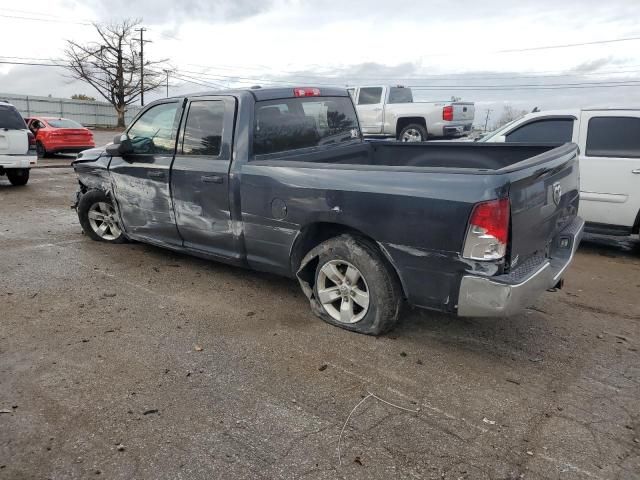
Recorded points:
(128, 361)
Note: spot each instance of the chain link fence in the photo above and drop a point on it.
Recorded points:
(88, 113)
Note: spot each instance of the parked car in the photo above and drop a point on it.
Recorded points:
(280, 180)
(59, 135)
(386, 112)
(609, 141)
(17, 146)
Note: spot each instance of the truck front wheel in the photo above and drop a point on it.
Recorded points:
(98, 217)
(18, 176)
(413, 133)
(355, 288)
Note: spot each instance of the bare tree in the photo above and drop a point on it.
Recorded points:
(112, 65)
(509, 114)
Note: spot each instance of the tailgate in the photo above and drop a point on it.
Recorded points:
(463, 111)
(544, 195)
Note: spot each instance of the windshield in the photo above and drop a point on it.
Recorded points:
(10, 118)
(293, 123)
(64, 123)
(400, 95)
(497, 131)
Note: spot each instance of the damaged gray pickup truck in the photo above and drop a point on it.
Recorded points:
(280, 180)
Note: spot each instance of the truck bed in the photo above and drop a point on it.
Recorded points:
(482, 157)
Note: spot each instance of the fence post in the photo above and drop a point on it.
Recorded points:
(28, 107)
(61, 109)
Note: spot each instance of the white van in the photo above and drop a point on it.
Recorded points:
(609, 141)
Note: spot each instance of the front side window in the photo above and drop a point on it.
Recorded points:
(203, 130)
(290, 124)
(370, 96)
(10, 118)
(549, 131)
(155, 131)
(613, 137)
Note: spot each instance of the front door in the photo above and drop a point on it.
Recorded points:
(200, 177)
(141, 179)
(610, 168)
(370, 111)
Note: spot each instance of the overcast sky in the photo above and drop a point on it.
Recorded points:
(449, 48)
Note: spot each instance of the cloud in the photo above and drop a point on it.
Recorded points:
(592, 66)
(177, 11)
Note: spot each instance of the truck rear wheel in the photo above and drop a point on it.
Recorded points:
(18, 176)
(98, 217)
(413, 133)
(355, 288)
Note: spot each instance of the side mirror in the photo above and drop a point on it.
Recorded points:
(499, 139)
(121, 146)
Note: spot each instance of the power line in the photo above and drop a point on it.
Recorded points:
(47, 20)
(569, 45)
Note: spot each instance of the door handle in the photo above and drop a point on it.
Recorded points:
(153, 174)
(212, 179)
(636, 171)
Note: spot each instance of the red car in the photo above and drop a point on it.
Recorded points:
(59, 135)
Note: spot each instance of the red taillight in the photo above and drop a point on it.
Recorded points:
(488, 232)
(447, 113)
(306, 92)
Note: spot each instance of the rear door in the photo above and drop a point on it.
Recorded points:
(141, 179)
(200, 177)
(610, 167)
(13, 132)
(370, 109)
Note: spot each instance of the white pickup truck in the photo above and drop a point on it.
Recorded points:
(17, 146)
(609, 141)
(386, 111)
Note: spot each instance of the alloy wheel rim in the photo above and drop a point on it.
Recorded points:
(343, 291)
(103, 221)
(412, 135)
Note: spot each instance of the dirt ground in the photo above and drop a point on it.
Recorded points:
(128, 361)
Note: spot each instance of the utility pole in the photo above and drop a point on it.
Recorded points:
(142, 42)
(167, 72)
(486, 120)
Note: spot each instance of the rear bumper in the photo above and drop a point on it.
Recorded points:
(506, 295)
(69, 148)
(17, 161)
(456, 130)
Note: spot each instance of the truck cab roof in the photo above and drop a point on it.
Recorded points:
(271, 93)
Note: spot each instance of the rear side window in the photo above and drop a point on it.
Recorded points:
(400, 95)
(11, 119)
(294, 123)
(203, 130)
(556, 130)
(64, 123)
(613, 137)
(370, 96)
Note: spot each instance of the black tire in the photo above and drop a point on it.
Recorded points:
(40, 150)
(18, 176)
(413, 127)
(93, 198)
(384, 291)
